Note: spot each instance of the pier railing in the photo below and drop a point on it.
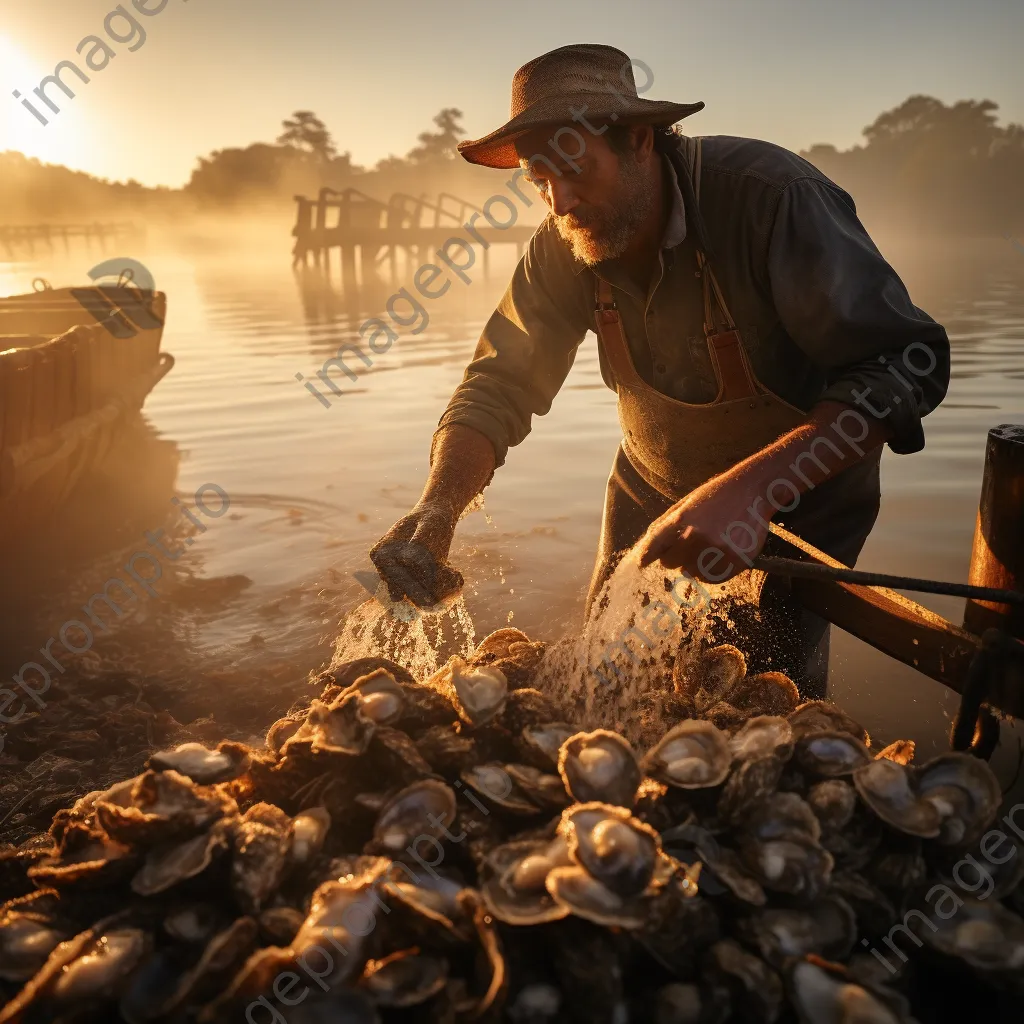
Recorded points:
(370, 233)
(16, 238)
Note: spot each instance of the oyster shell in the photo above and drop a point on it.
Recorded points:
(831, 754)
(755, 990)
(425, 808)
(381, 698)
(823, 716)
(820, 997)
(164, 805)
(480, 691)
(513, 881)
(951, 798)
(615, 848)
(496, 785)
(541, 744)
(711, 677)
(982, 933)
(541, 788)
(601, 766)
(405, 978)
(85, 857)
(691, 755)
(764, 736)
(261, 841)
(202, 765)
(833, 803)
(828, 928)
(900, 751)
(309, 831)
(101, 966)
(338, 728)
(26, 941)
(168, 864)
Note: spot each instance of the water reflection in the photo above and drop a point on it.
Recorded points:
(317, 486)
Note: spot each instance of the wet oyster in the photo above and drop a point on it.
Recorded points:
(615, 848)
(691, 755)
(823, 716)
(951, 798)
(86, 857)
(755, 990)
(831, 754)
(822, 997)
(601, 766)
(542, 744)
(309, 830)
(495, 784)
(168, 864)
(202, 765)
(26, 940)
(480, 691)
(423, 809)
(514, 880)
(261, 841)
(339, 728)
(405, 978)
(828, 928)
(381, 698)
(982, 933)
(764, 736)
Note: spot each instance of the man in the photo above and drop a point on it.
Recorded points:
(762, 349)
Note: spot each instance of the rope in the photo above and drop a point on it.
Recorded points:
(813, 571)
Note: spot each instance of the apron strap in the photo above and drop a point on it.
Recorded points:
(728, 358)
(608, 324)
(732, 370)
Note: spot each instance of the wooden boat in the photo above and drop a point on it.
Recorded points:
(76, 364)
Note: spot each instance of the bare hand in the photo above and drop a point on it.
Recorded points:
(412, 556)
(711, 533)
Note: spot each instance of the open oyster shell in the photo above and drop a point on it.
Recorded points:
(951, 798)
(601, 766)
(691, 755)
(514, 876)
(202, 765)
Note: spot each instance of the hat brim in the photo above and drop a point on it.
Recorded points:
(599, 110)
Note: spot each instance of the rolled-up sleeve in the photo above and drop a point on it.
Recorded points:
(526, 349)
(848, 310)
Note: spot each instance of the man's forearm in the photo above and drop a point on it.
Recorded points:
(461, 465)
(835, 437)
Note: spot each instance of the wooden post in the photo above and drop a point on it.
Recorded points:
(997, 559)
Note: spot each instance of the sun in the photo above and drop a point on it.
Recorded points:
(18, 128)
(57, 142)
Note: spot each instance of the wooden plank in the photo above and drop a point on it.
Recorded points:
(903, 629)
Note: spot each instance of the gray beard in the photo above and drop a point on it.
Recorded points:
(602, 235)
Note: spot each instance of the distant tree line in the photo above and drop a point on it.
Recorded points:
(923, 166)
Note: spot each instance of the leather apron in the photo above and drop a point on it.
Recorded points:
(676, 446)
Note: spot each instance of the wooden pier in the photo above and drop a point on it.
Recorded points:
(19, 238)
(371, 234)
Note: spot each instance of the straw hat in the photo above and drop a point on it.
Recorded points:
(594, 81)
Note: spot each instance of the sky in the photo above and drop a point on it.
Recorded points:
(218, 73)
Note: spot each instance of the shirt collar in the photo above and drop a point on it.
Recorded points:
(675, 226)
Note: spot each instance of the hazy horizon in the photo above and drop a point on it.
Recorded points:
(215, 76)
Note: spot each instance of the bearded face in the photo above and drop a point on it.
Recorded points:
(596, 231)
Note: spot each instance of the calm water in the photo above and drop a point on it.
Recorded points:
(262, 593)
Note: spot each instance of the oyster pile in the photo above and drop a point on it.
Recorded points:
(455, 850)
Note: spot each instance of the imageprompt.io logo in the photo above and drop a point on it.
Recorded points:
(125, 307)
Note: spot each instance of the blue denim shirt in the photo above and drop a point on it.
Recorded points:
(822, 314)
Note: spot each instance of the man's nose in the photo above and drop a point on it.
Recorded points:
(563, 198)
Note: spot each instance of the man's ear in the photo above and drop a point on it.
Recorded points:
(642, 137)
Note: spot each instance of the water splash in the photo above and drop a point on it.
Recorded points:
(644, 621)
(420, 640)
